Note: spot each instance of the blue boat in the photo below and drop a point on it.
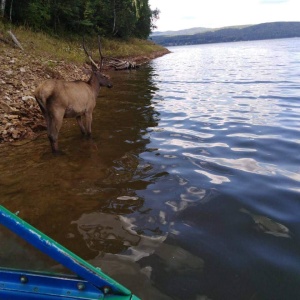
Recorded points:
(88, 283)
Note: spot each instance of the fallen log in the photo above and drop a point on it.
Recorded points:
(15, 40)
(120, 64)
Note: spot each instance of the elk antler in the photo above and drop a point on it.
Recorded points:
(88, 55)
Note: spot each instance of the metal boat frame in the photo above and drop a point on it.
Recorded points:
(90, 283)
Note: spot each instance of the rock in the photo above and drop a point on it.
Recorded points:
(27, 93)
(8, 125)
(25, 98)
(22, 70)
(5, 107)
(14, 114)
(15, 134)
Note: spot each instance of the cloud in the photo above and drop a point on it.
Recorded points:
(220, 13)
(273, 1)
(189, 18)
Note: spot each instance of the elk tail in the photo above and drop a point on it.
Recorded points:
(41, 105)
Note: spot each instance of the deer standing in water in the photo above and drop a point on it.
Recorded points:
(59, 99)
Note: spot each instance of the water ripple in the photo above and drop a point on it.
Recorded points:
(230, 122)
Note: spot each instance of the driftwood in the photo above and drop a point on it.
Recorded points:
(15, 40)
(120, 64)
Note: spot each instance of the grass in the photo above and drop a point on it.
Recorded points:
(69, 48)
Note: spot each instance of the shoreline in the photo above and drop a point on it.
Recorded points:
(20, 116)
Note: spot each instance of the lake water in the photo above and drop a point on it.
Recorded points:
(190, 188)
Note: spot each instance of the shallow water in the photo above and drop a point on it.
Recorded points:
(190, 188)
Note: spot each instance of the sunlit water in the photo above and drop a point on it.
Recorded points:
(190, 188)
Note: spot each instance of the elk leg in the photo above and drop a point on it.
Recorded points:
(55, 123)
(88, 124)
(52, 136)
(80, 124)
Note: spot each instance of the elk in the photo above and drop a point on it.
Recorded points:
(59, 99)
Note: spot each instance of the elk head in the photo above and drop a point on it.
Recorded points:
(103, 80)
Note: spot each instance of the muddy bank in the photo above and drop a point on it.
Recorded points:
(20, 73)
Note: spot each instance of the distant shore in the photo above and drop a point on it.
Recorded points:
(264, 31)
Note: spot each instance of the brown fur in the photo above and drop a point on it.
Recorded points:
(60, 99)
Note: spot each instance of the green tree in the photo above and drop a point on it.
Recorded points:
(118, 18)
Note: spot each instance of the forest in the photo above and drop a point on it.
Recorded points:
(274, 30)
(109, 18)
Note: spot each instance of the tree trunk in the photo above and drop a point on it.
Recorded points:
(3, 2)
(115, 18)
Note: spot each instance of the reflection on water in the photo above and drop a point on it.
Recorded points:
(267, 225)
(190, 186)
(106, 233)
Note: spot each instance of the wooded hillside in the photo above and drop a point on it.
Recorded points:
(110, 18)
(263, 31)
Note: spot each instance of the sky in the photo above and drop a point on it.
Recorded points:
(184, 14)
